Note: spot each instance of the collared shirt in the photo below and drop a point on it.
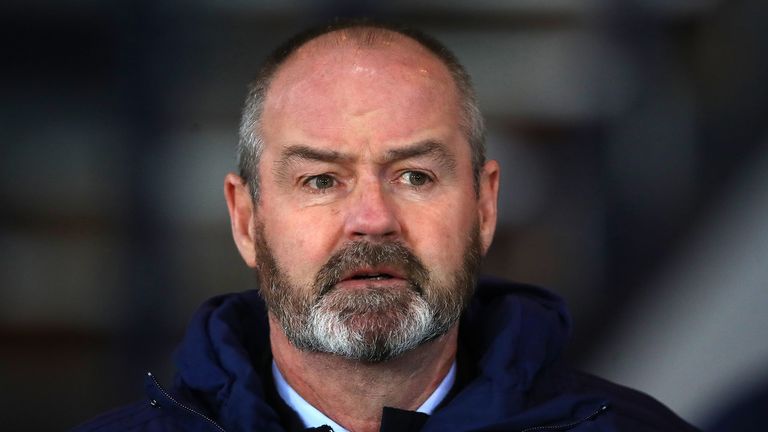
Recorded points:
(312, 417)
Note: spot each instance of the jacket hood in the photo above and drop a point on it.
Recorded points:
(510, 332)
(508, 335)
(218, 362)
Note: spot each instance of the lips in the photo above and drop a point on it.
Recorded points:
(373, 274)
(365, 265)
(367, 277)
(371, 277)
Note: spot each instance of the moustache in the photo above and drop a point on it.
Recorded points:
(366, 254)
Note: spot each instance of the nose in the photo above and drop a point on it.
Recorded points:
(372, 213)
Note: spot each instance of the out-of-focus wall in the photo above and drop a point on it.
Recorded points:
(622, 128)
(697, 340)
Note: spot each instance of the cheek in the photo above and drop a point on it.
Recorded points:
(301, 239)
(440, 237)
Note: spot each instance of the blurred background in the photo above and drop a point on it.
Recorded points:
(632, 137)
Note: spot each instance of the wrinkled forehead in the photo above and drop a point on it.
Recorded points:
(389, 85)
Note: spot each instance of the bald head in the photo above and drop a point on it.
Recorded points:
(315, 51)
(361, 37)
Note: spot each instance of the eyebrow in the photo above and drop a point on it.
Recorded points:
(308, 153)
(429, 148)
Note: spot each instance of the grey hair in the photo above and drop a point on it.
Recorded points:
(368, 33)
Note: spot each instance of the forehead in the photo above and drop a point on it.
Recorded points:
(339, 82)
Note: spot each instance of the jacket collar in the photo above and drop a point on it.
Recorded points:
(509, 333)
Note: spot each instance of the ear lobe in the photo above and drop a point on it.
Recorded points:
(488, 203)
(241, 213)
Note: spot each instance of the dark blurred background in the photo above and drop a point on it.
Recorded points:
(632, 138)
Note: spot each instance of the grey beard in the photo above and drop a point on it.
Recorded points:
(372, 324)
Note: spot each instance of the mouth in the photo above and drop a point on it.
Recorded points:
(372, 274)
(373, 277)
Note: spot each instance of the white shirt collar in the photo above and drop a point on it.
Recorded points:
(312, 417)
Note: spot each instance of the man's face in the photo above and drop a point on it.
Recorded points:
(368, 229)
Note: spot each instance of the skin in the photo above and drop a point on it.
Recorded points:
(350, 132)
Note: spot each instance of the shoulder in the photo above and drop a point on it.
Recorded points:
(135, 417)
(633, 409)
(141, 417)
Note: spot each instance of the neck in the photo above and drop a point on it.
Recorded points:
(353, 393)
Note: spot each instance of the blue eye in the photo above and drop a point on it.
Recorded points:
(320, 182)
(415, 178)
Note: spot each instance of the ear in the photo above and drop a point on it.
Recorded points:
(241, 214)
(488, 203)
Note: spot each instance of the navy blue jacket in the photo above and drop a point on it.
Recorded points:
(509, 377)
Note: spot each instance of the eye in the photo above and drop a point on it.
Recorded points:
(320, 182)
(415, 178)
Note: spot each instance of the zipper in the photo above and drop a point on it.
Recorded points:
(566, 426)
(181, 405)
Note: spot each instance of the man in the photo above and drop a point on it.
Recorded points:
(364, 203)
